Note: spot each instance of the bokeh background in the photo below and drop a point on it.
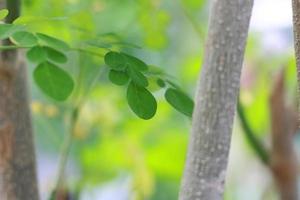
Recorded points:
(117, 156)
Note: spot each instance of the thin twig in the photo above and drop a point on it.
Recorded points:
(254, 142)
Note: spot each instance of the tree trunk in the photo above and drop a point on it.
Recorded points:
(216, 98)
(296, 22)
(17, 156)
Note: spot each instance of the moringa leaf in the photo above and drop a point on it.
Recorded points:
(141, 101)
(53, 42)
(3, 13)
(24, 38)
(6, 30)
(180, 101)
(135, 62)
(118, 77)
(53, 81)
(161, 83)
(37, 54)
(137, 77)
(115, 60)
(54, 55)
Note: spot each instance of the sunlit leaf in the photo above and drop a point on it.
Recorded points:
(180, 101)
(137, 77)
(53, 81)
(24, 38)
(115, 60)
(53, 42)
(37, 54)
(3, 13)
(141, 101)
(118, 77)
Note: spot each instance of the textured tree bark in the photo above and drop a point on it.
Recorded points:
(17, 156)
(216, 98)
(296, 22)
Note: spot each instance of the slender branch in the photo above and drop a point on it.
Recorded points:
(284, 164)
(66, 148)
(254, 142)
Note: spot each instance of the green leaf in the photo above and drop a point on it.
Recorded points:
(37, 54)
(55, 56)
(6, 30)
(161, 83)
(118, 77)
(141, 101)
(135, 62)
(137, 77)
(180, 101)
(3, 13)
(24, 38)
(53, 81)
(53, 42)
(115, 60)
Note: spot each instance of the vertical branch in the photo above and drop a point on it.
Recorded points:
(17, 156)
(216, 98)
(283, 160)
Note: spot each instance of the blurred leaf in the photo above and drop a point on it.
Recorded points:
(24, 38)
(136, 63)
(115, 60)
(53, 42)
(137, 77)
(37, 54)
(3, 13)
(161, 83)
(53, 81)
(118, 77)
(141, 101)
(6, 30)
(55, 56)
(180, 101)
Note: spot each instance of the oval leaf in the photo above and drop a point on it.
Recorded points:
(137, 77)
(180, 101)
(115, 60)
(53, 81)
(55, 56)
(136, 63)
(117, 77)
(37, 54)
(6, 30)
(141, 101)
(161, 83)
(53, 42)
(24, 38)
(3, 13)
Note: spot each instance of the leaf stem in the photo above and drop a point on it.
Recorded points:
(254, 142)
(87, 51)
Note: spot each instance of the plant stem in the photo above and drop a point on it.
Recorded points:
(12, 47)
(88, 51)
(66, 148)
(254, 142)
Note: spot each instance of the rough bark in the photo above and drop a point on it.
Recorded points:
(17, 156)
(296, 22)
(216, 98)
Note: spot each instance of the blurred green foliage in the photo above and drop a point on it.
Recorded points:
(110, 140)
